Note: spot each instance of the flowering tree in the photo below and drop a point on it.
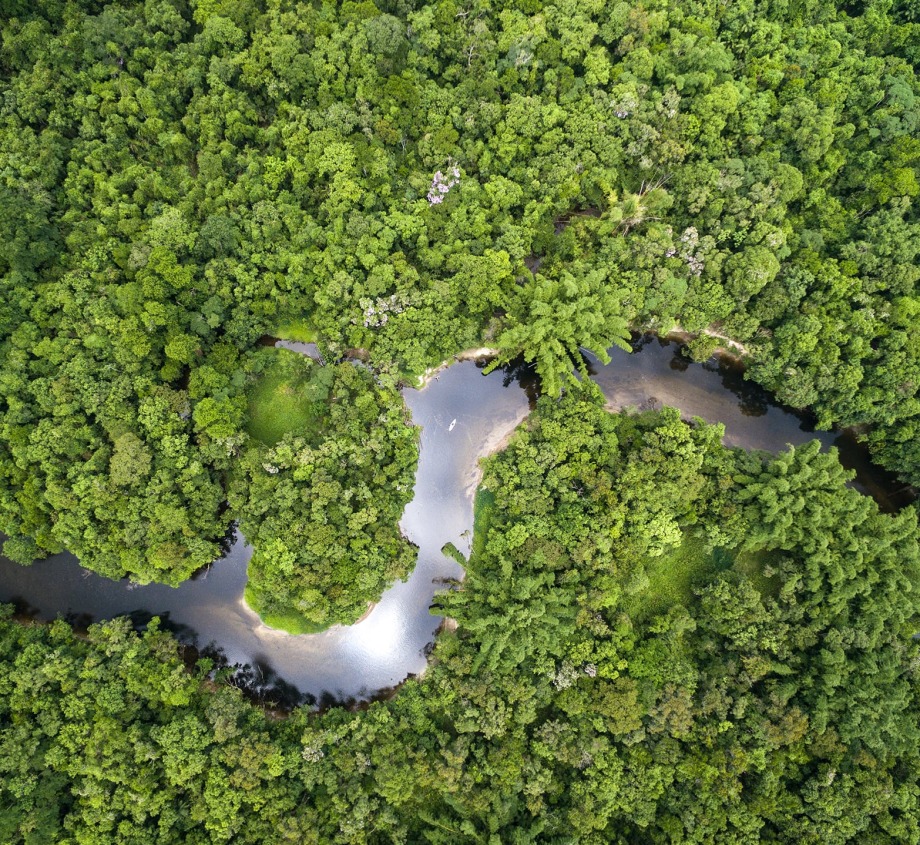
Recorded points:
(441, 185)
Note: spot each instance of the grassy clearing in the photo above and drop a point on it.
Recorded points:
(672, 576)
(483, 509)
(279, 402)
(297, 330)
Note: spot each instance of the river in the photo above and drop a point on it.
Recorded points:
(463, 415)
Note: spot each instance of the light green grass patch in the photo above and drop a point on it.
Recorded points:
(672, 576)
(279, 401)
(297, 330)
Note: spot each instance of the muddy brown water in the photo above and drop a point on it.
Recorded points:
(463, 415)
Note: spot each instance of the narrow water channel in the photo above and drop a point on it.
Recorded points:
(463, 415)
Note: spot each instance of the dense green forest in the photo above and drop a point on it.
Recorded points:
(769, 693)
(659, 640)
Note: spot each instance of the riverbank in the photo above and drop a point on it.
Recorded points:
(479, 353)
(284, 625)
(732, 349)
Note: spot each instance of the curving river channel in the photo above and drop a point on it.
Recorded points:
(464, 415)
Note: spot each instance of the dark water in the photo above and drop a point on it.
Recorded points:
(463, 416)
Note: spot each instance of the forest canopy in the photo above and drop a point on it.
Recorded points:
(180, 178)
(659, 639)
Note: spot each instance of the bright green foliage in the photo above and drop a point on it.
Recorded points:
(298, 330)
(559, 317)
(767, 676)
(101, 738)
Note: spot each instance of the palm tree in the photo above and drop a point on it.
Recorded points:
(555, 318)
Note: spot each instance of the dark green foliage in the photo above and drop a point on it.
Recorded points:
(111, 740)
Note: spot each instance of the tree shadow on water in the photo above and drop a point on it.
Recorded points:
(263, 685)
(23, 610)
(79, 621)
(753, 400)
(752, 406)
(638, 342)
(522, 373)
(679, 362)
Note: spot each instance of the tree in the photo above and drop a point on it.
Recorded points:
(555, 318)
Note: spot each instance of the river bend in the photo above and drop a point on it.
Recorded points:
(463, 415)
